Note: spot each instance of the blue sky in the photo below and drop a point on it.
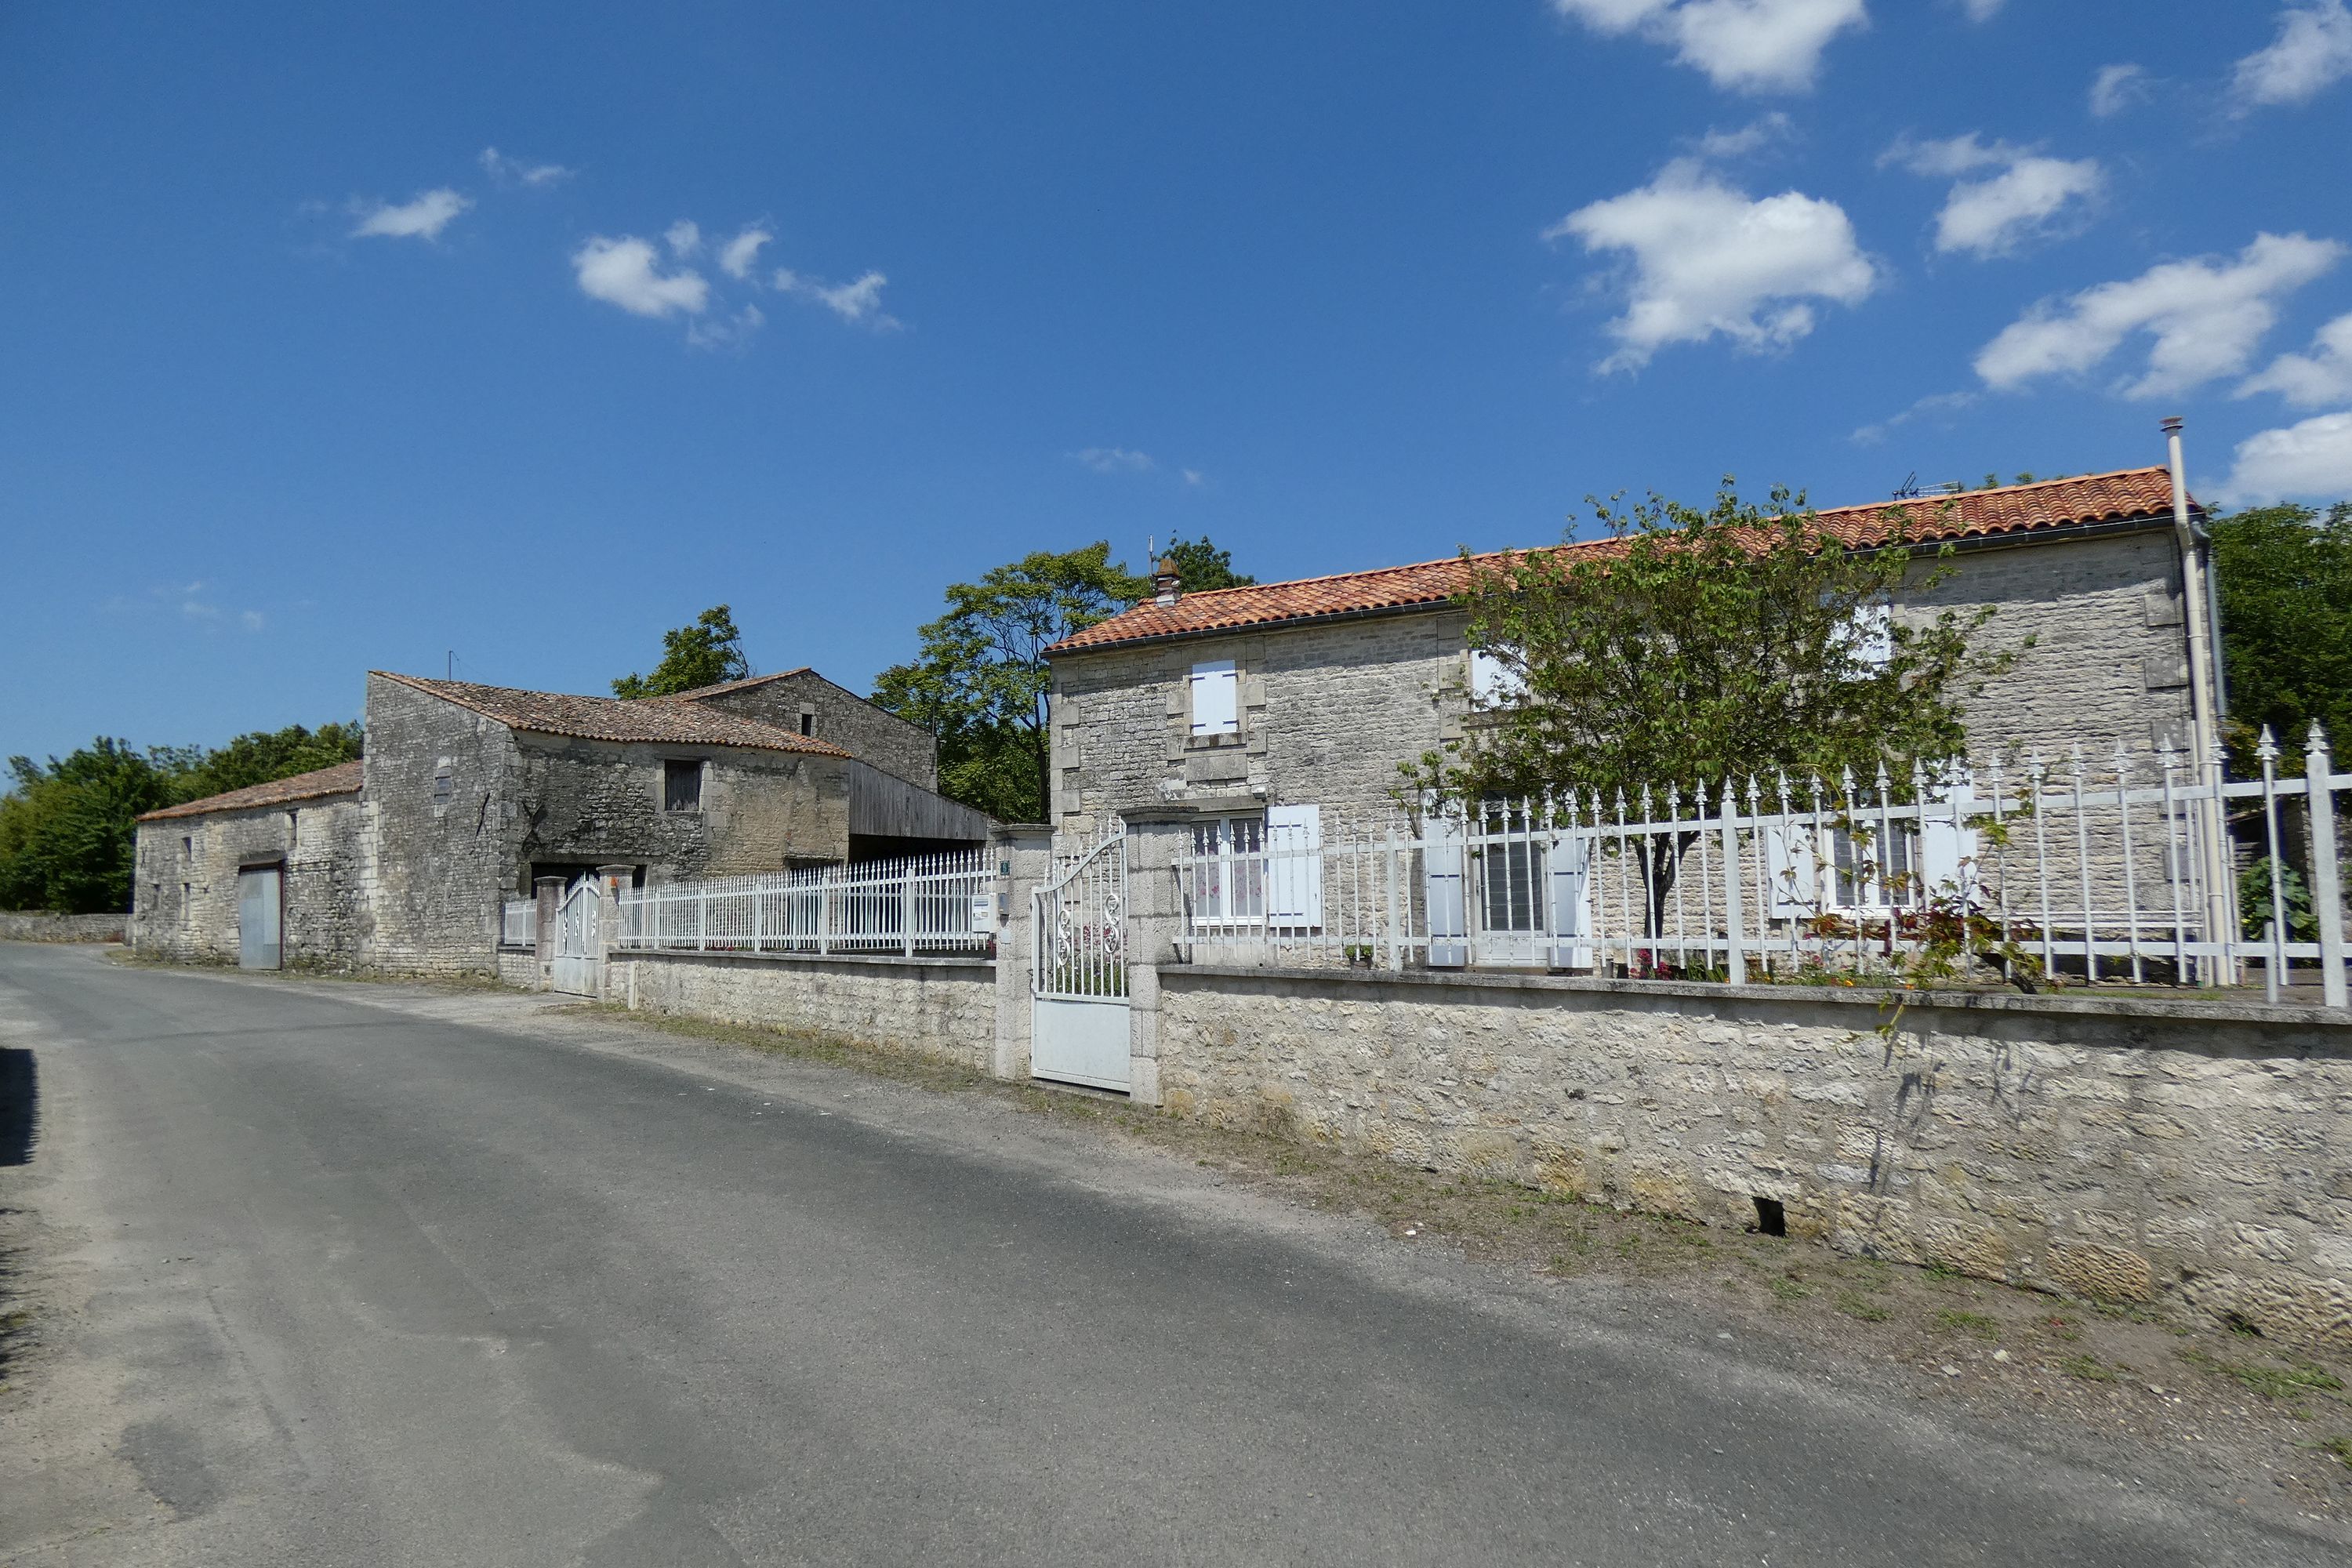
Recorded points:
(305, 380)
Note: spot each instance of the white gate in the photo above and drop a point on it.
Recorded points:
(1078, 976)
(577, 929)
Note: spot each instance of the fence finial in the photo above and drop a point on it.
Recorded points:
(2266, 750)
(2317, 745)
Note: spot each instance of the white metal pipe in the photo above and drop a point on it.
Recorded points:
(2204, 720)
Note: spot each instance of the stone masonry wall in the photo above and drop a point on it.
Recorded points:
(2112, 1149)
(839, 715)
(438, 872)
(185, 885)
(40, 925)
(1329, 711)
(943, 1007)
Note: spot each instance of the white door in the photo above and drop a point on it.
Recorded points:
(258, 917)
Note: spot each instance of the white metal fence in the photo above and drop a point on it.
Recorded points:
(921, 905)
(2133, 870)
(519, 922)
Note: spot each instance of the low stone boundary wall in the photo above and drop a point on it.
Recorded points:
(943, 1007)
(2118, 1149)
(38, 925)
(518, 967)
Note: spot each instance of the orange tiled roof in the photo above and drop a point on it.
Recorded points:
(343, 778)
(612, 719)
(2129, 495)
(725, 687)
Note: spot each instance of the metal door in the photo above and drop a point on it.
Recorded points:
(1077, 974)
(577, 928)
(258, 917)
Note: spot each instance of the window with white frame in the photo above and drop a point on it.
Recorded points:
(1228, 870)
(1493, 682)
(1216, 698)
(1870, 634)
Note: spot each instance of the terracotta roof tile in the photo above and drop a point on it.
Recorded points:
(2131, 494)
(343, 778)
(612, 719)
(724, 686)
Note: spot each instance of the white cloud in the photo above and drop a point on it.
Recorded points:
(2310, 461)
(2312, 52)
(1982, 10)
(1195, 477)
(1752, 137)
(685, 238)
(627, 272)
(252, 620)
(423, 218)
(860, 301)
(733, 332)
(2207, 316)
(738, 256)
(1706, 261)
(1114, 460)
(1993, 216)
(505, 171)
(2117, 88)
(1750, 46)
(1940, 403)
(2312, 379)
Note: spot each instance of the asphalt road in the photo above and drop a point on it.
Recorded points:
(349, 1275)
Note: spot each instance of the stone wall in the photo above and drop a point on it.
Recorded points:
(438, 871)
(1329, 710)
(837, 714)
(943, 1007)
(40, 925)
(2196, 1153)
(185, 884)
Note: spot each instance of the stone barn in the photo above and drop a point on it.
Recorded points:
(266, 877)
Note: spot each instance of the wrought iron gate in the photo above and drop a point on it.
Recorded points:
(1077, 976)
(577, 929)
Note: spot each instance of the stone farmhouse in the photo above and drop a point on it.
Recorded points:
(1276, 714)
(470, 795)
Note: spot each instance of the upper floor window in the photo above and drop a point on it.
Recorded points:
(188, 848)
(1493, 682)
(1871, 635)
(445, 782)
(1216, 699)
(681, 785)
(808, 722)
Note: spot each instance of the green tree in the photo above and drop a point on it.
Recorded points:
(69, 833)
(980, 681)
(65, 833)
(2283, 575)
(705, 653)
(1201, 566)
(1695, 643)
(266, 754)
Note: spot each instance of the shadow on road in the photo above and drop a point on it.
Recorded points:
(20, 1095)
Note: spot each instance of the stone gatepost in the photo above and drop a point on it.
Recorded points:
(1020, 856)
(549, 891)
(611, 881)
(1155, 924)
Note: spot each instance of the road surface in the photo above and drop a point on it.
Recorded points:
(350, 1274)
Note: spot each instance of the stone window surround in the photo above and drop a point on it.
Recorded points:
(701, 766)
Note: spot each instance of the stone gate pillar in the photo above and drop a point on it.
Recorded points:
(611, 881)
(549, 891)
(1155, 925)
(1020, 856)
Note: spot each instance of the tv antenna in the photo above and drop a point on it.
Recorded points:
(1909, 489)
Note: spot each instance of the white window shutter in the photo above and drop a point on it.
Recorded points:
(1789, 862)
(1216, 699)
(1294, 842)
(1947, 845)
(1441, 860)
(1570, 859)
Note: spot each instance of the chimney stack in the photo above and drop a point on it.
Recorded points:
(1164, 579)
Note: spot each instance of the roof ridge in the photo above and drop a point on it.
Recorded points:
(755, 731)
(268, 792)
